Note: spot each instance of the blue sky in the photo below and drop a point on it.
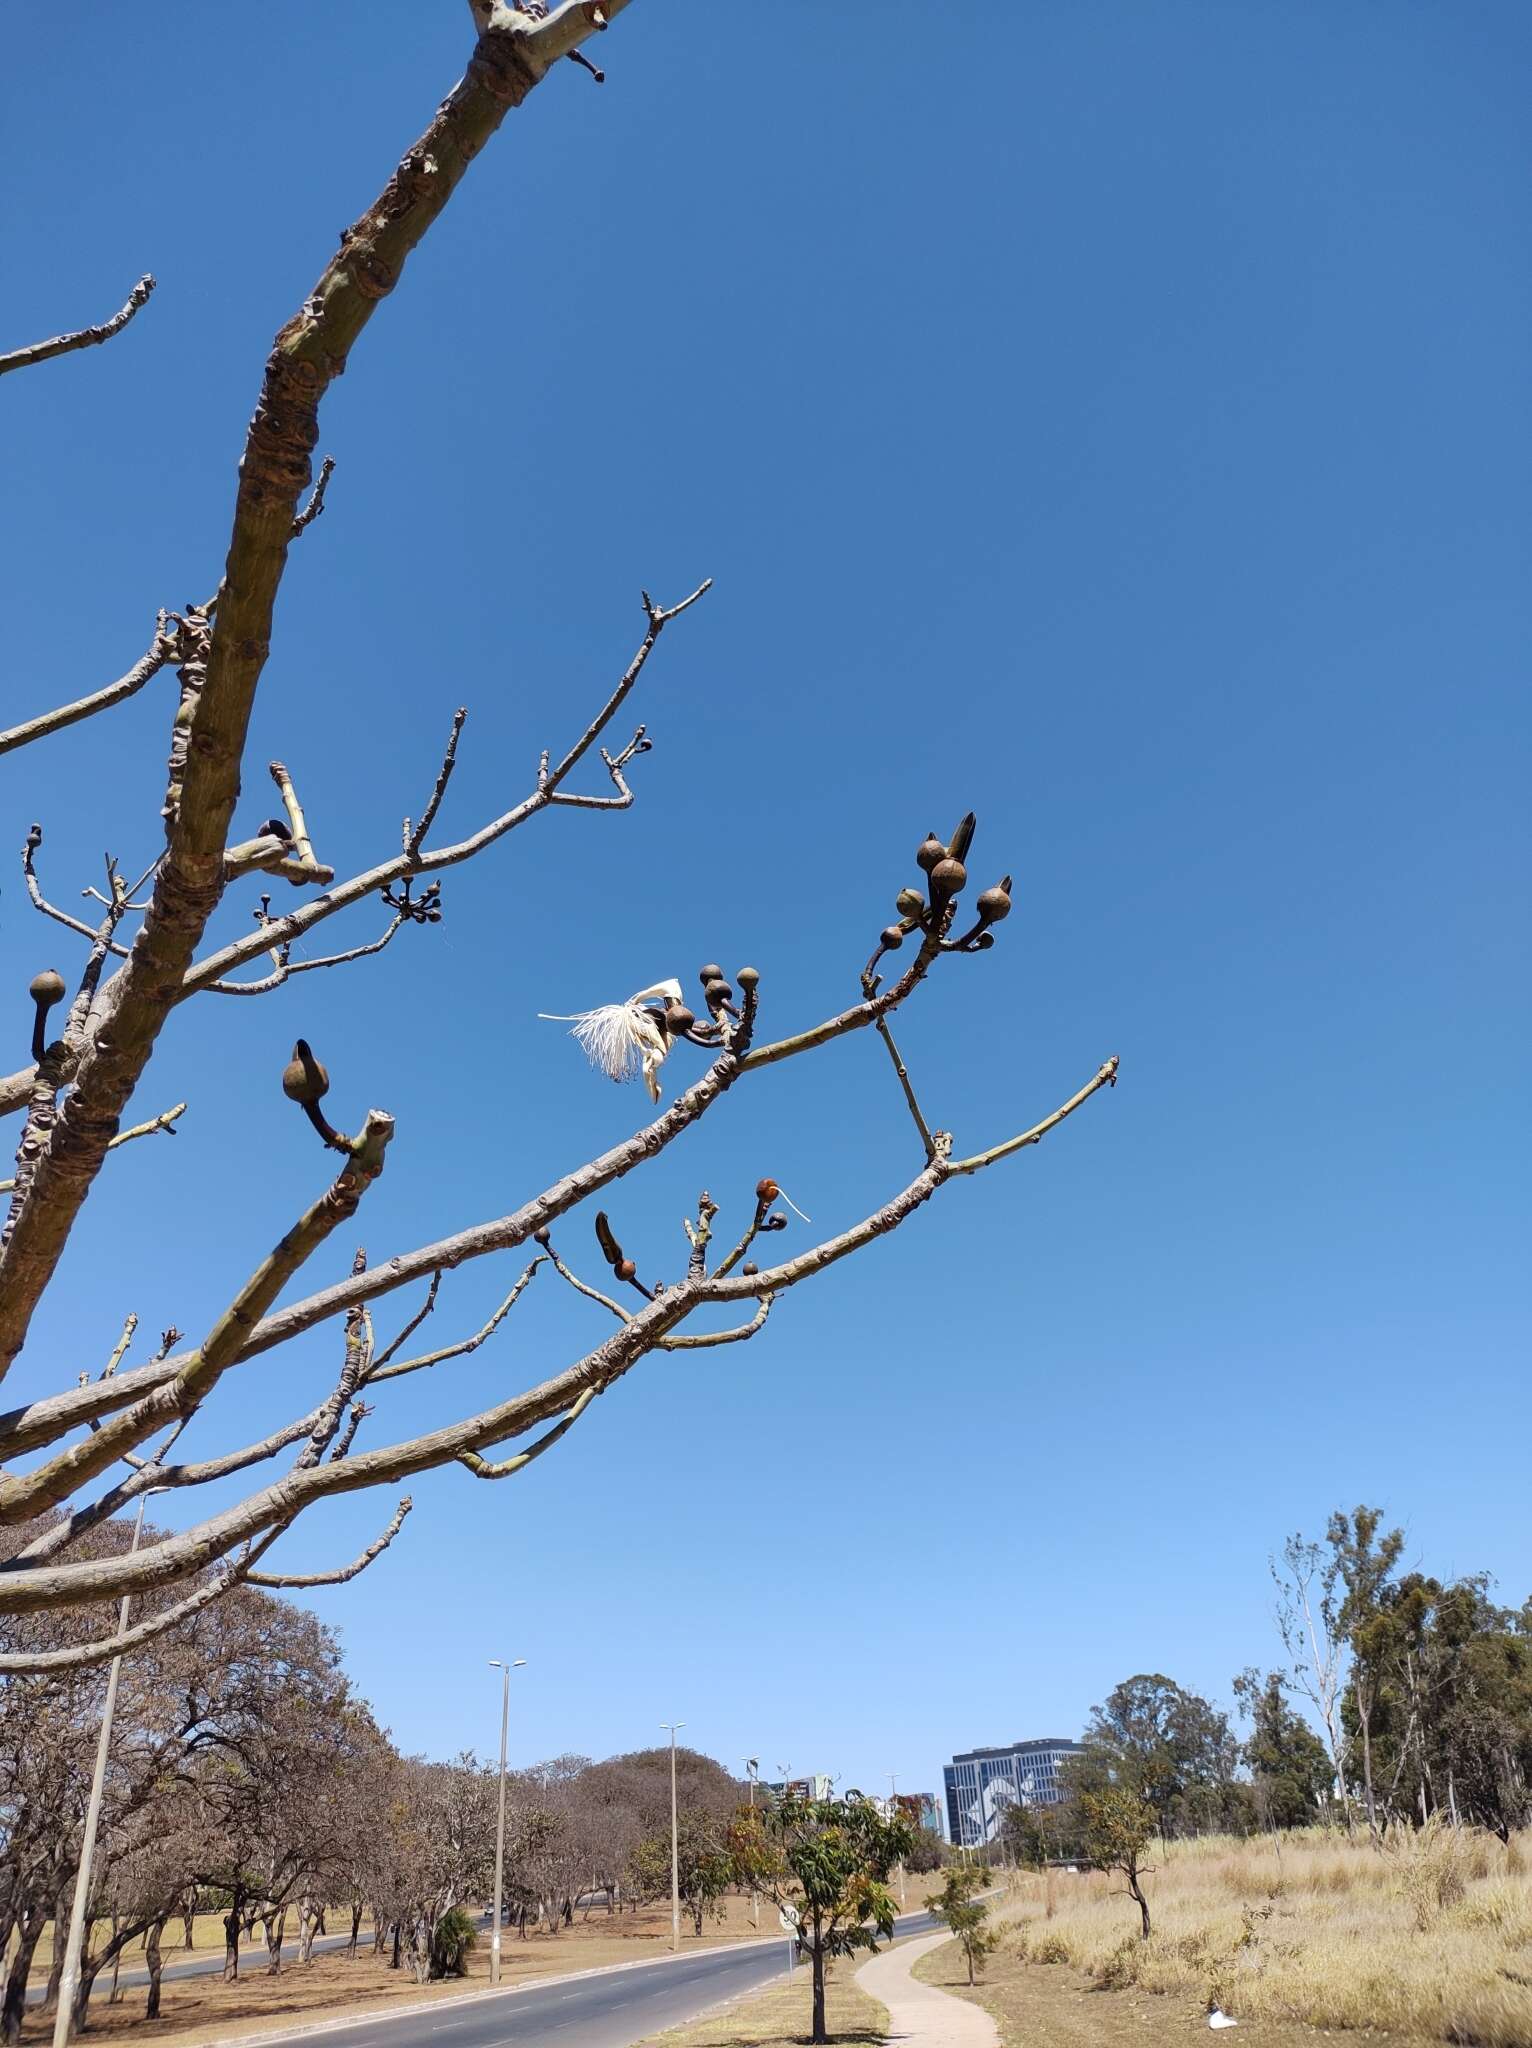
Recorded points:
(1112, 418)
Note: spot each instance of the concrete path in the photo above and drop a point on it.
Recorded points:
(918, 2013)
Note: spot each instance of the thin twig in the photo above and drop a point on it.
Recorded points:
(375, 1549)
(315, 505)
(468, 1344)
(161, 651)
(413, 839)
(83, 337)
(410, 1327)
(165, 1121)
(880, 1025)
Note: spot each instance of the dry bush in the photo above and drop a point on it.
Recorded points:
(1433, 1938)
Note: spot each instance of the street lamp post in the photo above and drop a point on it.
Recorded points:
(505, 1670)
(69, 1977)
(893, 1814)
(752, 1772)
(675, 1850)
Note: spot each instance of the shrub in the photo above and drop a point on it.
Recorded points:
(451, 1942)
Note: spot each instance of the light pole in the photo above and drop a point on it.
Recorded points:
(752, 1772)
(675, 1850)
(505, 1670)
(893, 1814)
(69, 1978)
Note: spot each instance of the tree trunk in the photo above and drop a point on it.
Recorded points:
(189, 1922)
(394, 1964)
(1364, 1716)
(274, 1924)
(231, 1925)
(818, 2032)
(969, 1953)
(356, 1929)
(1136, 1892)
(15, 2001)
(309, 1918)
(152, 1958)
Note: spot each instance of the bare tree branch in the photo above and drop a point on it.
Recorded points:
(83, 337)
(162, 649)
(375, 1549)
(310, 351)
(381, 1372)
(22, 1497)
(165, 1121)
(315, 505)
(177, 1556)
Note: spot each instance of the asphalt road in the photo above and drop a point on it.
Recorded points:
(611, 2010)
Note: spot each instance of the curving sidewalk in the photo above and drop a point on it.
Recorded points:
(918, 2013)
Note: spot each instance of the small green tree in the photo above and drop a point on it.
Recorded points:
(956, 1905)
(829, 1860)
(452, 1938)
(1118, 1824)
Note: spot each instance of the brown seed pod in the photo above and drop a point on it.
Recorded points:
(626, 1270)
(678, 1019)
(710, 973)
(303, 1078)
(949, 878)
(716, 992)
(929, 852)
(749, 1268)
(962, 838)
(995, 904)
(47, 988)
(749, 978)
(891, 938)
(766, 1191)
(983, 942)
(910, 903)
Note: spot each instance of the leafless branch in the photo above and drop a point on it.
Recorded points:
(315, 505)
(83, 337)
(506, 1468)
(414, 1323)
(165, 1121)
(415, 838)
(880, 1025)
(705, 1340)
(375, 1549)
(23, 1496)
(383, 1372)
(162, 649)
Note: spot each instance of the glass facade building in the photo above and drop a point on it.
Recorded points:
(981, 1783)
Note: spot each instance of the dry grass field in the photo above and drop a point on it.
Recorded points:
(1429, 1940)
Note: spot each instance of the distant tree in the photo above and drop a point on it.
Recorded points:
(966, 1916)
(1362, 1562)
(1289, 1770)
(1035, 1836)
(1308, 1619)
(829, 1859)
(927, 1852)
(1118, 1825)
(1171, 1747)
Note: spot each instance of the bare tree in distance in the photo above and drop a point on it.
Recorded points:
(99, 1444)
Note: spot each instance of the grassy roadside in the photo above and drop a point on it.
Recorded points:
(1429, 1940)
(1049, 2005)
(780, 2018)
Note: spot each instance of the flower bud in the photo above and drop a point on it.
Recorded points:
(47, 988)
(929, 852)
(303, 1078)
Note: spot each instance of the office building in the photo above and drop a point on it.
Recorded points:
(981, 1783)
